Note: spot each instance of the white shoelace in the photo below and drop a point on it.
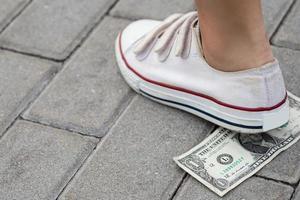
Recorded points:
(177, 26)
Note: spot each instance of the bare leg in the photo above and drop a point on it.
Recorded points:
(233, 34)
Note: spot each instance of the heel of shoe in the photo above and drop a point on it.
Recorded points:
(275, 89)
(276, 118)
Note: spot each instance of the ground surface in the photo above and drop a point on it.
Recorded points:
(70, 128)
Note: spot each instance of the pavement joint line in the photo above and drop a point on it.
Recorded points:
(31, 54)
(35, 92)
(285, 47)
(78, 169)
(294, 192)
(8, 127)
(98, 145)
(111, 7)
(286, 14)
(123, 104)
(275, 180)
(181, 183)
(59, 128)
(17, 14)
(57, 68)
(186, 175)
(122, 17)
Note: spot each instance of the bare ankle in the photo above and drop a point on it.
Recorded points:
(233, 34)
(237, 57)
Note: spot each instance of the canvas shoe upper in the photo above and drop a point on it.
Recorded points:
(163, 61)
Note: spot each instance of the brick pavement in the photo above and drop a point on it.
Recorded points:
(70, 128)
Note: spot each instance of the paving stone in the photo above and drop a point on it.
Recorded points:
(53, 28)
(285, 167)
(289, 62)
(154, 9)
(21, 79)
(253, 188)
(297, 194)
(288, 34)
(9, 9)
(135, 160)
(36, 161)
(274, 11)
(89, 93)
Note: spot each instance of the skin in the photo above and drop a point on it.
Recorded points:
(233, 34)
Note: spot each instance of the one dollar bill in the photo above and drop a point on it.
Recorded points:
(225, 158)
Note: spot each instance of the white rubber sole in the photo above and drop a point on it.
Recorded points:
(233, 119)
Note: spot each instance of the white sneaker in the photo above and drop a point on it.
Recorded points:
(163, 61)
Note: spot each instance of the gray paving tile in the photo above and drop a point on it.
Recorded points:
(9, 9)
(297, 194)
(274, 11)
(285, 167)
(154, 9)
(89, 93)
(37, 161)
(21, 78)
(289, 62)
(288, 34)
(135, 160)
(53, 28)
(253, 188)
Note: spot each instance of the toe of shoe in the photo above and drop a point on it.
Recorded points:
(136, 30)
